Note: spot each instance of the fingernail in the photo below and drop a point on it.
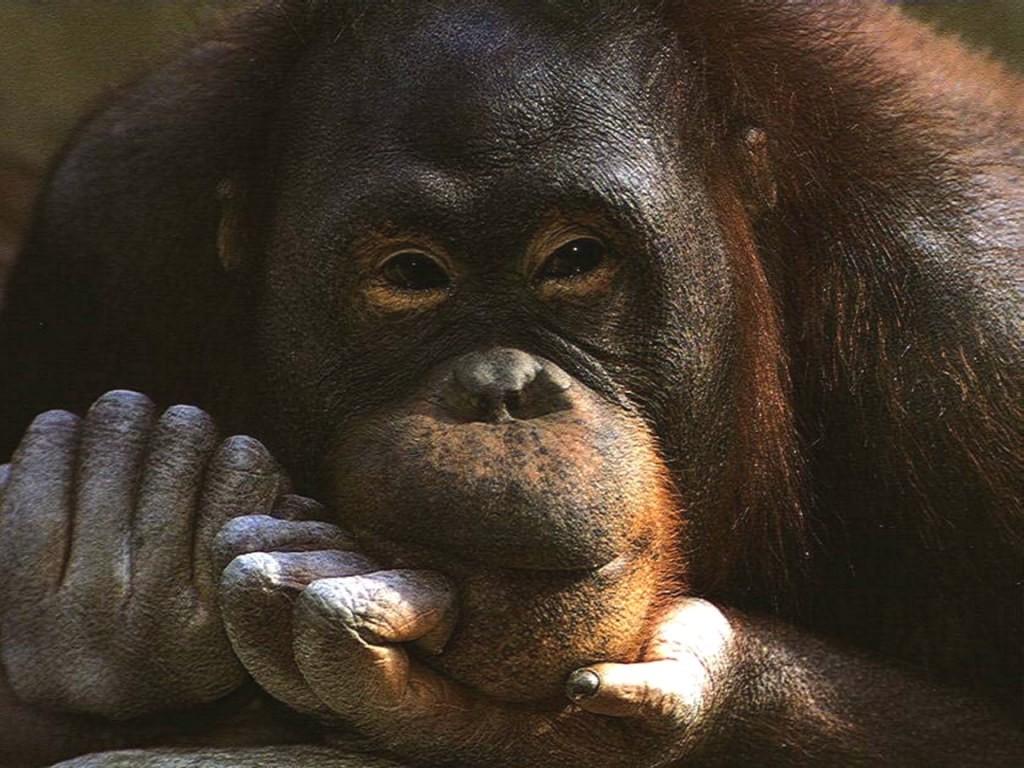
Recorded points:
(582, 684)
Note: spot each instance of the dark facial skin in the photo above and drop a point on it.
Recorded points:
(482, 161)
(492, 158)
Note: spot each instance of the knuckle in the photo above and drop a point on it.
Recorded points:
(61, 422)
(336, 600)
(243, 452)
(327, 536)
(294, 507)
(122, 399)
(231, 535)
(187, 419)
(121, 408)
(236, 537)
(51, 435)
(243, 528)
(252, 571)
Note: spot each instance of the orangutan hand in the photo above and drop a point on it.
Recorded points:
(669, 690)
(351, 637)
(108, 596)
(356, 651)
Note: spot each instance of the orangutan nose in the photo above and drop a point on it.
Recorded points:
(501, 384)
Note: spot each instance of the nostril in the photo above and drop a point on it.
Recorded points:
(491, 408)
(513, 401)
(504, 384)
(544, 395)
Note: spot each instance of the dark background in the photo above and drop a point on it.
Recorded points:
(58, 56)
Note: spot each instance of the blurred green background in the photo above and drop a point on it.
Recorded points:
(56, 56)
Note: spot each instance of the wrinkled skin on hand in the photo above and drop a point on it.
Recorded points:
(108, 595)
(334, 634)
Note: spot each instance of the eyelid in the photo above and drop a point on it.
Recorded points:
(555, 236)
(542, 272)
(562, 236)
(390, 256)
(372, 249)
(372, 252)
(407, 252)
(384, 255)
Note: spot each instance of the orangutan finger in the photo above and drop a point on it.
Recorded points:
(665, 694)
(257, 595)
(347, 636)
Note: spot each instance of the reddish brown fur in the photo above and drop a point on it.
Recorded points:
(897, 160)
(766, 508)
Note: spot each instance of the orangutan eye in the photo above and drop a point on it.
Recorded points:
(574, 259)
(415, 271)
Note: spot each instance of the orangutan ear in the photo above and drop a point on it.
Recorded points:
(757, 179)
(231, 232)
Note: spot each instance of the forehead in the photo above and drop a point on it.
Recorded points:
(481, 90)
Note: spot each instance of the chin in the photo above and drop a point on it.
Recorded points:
(552, 514)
